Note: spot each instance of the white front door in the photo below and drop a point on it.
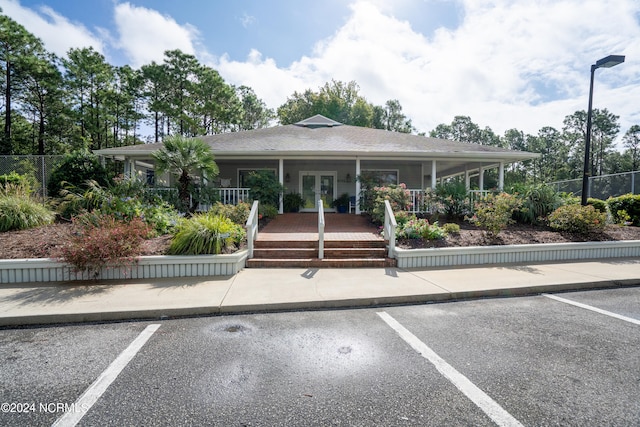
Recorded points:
(316, 186)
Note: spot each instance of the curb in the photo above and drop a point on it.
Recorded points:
(174, 313)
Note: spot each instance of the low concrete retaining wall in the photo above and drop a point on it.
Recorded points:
(148, 267)
(512, 254)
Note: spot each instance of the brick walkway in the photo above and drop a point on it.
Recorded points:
(304, 226)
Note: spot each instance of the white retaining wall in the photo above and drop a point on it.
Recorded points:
(147, 267)
(150, 267)
(512, 254)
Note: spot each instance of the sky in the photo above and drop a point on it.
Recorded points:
(521, 64)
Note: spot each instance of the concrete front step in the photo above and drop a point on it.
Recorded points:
(304, 253)
(321, 263)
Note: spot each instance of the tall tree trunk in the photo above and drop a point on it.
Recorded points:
(6, 146)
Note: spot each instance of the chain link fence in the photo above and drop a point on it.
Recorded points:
(37, 167)
(604, 186)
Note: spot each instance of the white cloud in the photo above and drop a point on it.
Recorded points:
(510, 63)
(144, 34)
(247, 20)
(57, 32)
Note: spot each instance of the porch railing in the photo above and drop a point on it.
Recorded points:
(233, 196)
(420, 203)
(390, 228)
(477, 195)
(252, 228)
(227, 195)
(320, 229)
(417, 197)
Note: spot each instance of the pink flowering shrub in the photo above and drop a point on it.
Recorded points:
(398, 196)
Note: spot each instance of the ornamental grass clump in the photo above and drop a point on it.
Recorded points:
(19, 211)
(577, 219)
(206, 234)
(102, 241)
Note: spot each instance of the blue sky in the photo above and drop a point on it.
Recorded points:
(504, 63)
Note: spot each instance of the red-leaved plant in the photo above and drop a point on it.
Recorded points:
(100, 241)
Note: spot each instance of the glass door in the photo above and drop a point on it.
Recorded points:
(317, 186)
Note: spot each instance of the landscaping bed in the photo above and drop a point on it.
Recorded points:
(43, 242)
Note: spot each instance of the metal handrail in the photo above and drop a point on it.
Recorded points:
(320, 229)
(390, 225)
(252, 227)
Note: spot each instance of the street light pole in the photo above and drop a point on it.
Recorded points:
(606, 62)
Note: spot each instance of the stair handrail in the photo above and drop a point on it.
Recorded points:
(389, 229)
(320, 229)
(252, 227)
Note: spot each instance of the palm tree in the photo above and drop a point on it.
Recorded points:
(185, 157)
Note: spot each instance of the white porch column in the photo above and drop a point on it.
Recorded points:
(433, 174)
(501, 176)
(358, 188)
(281, 180)
(467, 180)
(481, 178)
(128, 168)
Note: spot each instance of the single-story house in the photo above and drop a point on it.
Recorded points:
(321, 158)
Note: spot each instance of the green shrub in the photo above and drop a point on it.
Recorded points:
(537, 203)
(420, 228)
(100, 241)
(265, 187)
(398, 196)
(402, 217)
(161, 216)
(599, 205)
(625, 208)
(267, 211)
(292, 202)
(367, 194)
(206, 234)
(451, 228)
(577, 219)
(124, 200)
(76, 169)
(452, 198)
(495, 212)
(237, 213)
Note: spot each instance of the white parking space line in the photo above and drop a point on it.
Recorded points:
(99, 386)
(489, 406)
(597, 310)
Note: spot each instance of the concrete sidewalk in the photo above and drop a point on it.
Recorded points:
(290, 289)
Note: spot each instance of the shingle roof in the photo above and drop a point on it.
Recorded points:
(313, 137)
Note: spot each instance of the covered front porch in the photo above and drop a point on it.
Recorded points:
(327, 179)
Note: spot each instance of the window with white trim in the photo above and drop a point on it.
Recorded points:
(380, 176)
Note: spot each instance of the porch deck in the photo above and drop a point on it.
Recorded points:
(304, 226)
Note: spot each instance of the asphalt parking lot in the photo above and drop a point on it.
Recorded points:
(539, 360)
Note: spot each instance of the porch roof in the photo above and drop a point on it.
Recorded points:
(322, 137)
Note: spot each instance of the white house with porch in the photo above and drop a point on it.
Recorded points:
(321, 158)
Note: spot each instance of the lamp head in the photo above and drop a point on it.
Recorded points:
(609, 61)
